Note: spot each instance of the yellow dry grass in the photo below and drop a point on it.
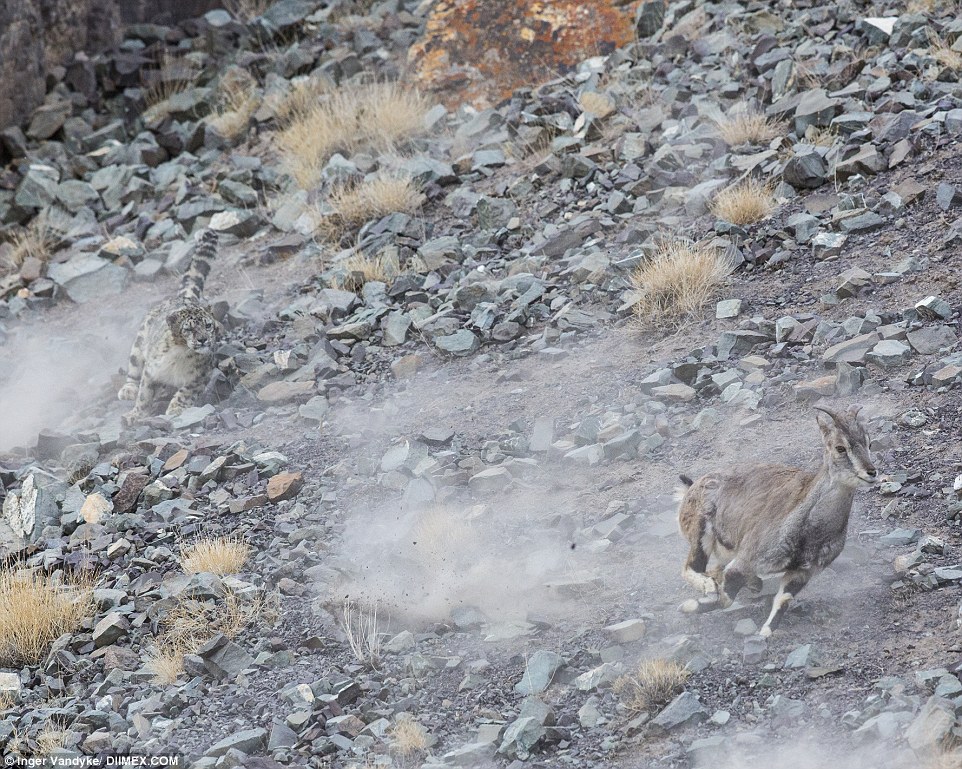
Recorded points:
(217, 555)
(748, 127)
(237, 102)
(189, 624)
(36, 240)
(678, 280)
(376, 117)
(355, 204)
(360, 268)
(652, 684)
(943, 53)
(35, 610)
(408, 738)
(49, 739)
(174, 74)
(820, 136)
(747, 202)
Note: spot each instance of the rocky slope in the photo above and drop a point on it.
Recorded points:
(480, 440)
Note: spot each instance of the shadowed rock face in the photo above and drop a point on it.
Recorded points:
(36, 35)
(480, 51)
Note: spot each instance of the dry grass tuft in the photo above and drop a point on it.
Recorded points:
(409, 738)
(943, 53)
(49, 739)
(360, 268)
(820, 136)
(35, 610)
(237, 102)
(166, 662)
(373, 198)
(678, 280)
(377, 117)
(189, 624)
(36, 240)
(651, 685)
(302, 97)
(748, 127)
(744, 203)
(217, 555)
(360, 625)
(173, 74)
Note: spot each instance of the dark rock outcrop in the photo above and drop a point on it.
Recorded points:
(36, 35)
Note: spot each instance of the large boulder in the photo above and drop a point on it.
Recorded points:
(481, 51)
(36, 35)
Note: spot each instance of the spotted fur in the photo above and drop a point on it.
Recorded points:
(175, 344)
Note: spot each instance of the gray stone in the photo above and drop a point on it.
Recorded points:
(851, 350)
(900, 537)
(746, 627)
(649, 17)
(521, 736)
(28, 511)
(227, 661)
(471, 755)
(247, 742)
(627, 631)
(684, 710)
(728, 308)
(868, 161)
(460, 343)
(190, 416)
(739, 343)
(396, 328)
(674, 393)
(853, 280)
(933, 308)
(588, 714)
(889, 353)
(931, 339)
(490, 481)
(539, 670)
(828, 244)
(86, 277)
(805, 226)
(932, 727)
(754, 650)
(110, 629)
(815, 108)
(862, 223)
(806, 170)
(282, 736)
(948, 196)
(799, 657)
(315, 409)
(38, 188)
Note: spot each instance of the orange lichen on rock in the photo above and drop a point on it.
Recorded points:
(480, 51)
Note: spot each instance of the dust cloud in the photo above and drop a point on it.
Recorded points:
(504, 559)
(56, 369)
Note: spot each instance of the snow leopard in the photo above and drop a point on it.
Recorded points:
(175, 344)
